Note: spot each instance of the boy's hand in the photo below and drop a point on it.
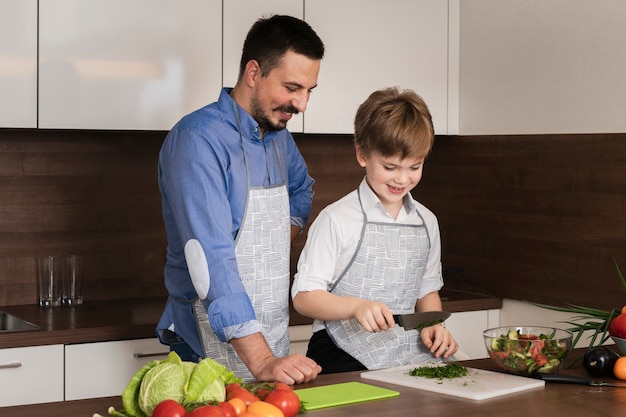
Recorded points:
(439, 341)
(374, 316)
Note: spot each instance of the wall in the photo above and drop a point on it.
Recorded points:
(526, 217)
(532, 217)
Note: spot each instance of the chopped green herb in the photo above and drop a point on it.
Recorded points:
(451, 370)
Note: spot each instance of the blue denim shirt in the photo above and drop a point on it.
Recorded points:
(204, 188)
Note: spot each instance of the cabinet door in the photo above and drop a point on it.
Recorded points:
(31, 375)
(18, 63)
(467, 328)
(373, 44)
(117, 64)
(104, 369)
(239, 16)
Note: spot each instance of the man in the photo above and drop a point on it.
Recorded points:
(235, 192)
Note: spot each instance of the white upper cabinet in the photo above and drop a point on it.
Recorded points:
(373, 44)
(239, 16)
(18, 63)
(117, 64)
(542, 67)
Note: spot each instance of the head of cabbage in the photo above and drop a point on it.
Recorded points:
(172, 378)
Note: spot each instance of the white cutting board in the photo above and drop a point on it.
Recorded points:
(477, 385)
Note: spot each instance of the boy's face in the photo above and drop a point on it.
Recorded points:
(391, 178)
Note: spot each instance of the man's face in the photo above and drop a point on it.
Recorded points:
(285, 91)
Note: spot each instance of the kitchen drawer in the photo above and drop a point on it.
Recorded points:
(31, 375)
(104, 369)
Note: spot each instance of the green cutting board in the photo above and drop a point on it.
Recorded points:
(341, 394)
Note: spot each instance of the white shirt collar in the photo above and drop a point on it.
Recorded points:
(370, 201)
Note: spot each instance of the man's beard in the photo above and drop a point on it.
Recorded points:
(264, 120)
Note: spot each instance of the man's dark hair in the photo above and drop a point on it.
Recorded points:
(270, 38)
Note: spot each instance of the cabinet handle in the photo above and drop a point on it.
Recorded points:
(149, 355)
(11, 365)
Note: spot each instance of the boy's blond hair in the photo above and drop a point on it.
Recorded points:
(394, 122)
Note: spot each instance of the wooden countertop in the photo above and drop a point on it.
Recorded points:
(122, 319)
(554, 399)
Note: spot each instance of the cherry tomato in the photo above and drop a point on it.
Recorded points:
(169, 408)
(282, 385)
(286, 400)
(232, 386)
(207, 411)
(228, 409)
(244, 394)
(238, 404)
(619, 369)
(264, 409)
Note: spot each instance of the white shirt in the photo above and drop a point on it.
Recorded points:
(334, 236)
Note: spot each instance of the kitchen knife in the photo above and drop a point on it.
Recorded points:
(420, 320)
(568, 379)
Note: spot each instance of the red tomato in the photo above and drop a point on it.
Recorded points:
(286, 400)
(617, 326)
(228, 409)
(169, 408)
(242, 393)
(282, 385)
(232, 386)
(207, 411)
(264, 409)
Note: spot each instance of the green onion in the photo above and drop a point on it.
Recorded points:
(451, 370)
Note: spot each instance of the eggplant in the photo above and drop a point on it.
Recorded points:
(599, 361)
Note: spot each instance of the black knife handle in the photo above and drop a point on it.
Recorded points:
(565, 379)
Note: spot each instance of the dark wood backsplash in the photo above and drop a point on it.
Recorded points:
(527, 217)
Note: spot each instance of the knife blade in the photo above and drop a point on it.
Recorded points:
(420, 320)
(568, 379)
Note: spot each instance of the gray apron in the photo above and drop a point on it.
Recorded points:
(262, 249)
(387, 267)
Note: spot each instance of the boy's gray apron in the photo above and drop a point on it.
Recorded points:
(387, 267)
(262, 249)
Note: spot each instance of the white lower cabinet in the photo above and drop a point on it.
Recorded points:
(467, 328)
(104, 369)
(31, 375)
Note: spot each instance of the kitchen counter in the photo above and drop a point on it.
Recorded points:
(123, 319)
(552, 400)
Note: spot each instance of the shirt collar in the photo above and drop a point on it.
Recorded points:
(369, 200)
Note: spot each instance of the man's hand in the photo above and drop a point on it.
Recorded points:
(292, 369)
(264, 366)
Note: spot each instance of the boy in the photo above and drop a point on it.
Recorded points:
(376, 252)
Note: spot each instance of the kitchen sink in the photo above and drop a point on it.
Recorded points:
(11, 323)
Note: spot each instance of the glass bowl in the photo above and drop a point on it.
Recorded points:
(525, 350)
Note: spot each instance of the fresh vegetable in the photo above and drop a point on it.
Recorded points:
(238, 404)
(185, 382)
(617, 326)
(619, 369)
(286, 400)
(599, 361)
(243, 394)
(169, 408)
(527, 353)
(451, 370)
(227, 409)
(264, 409)
(207, 411)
